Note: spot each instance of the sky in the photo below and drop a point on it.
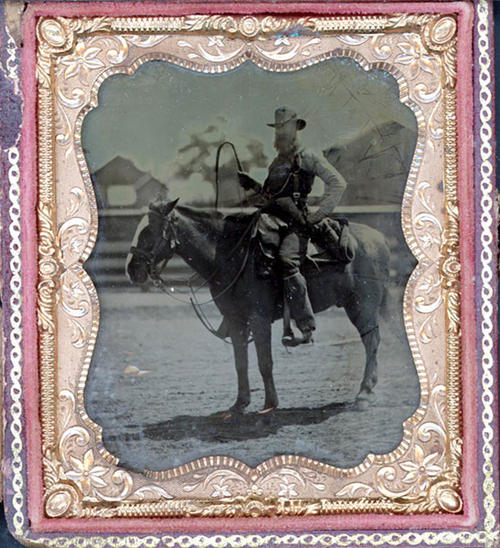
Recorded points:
(149, 116)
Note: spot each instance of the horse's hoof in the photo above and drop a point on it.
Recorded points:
(361, 405)
(239, 407)
(266, 410)
(289, 339)
(364, 398)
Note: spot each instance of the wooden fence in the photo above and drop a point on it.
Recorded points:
(117, 227)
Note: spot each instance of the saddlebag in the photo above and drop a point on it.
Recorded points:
(333, 236)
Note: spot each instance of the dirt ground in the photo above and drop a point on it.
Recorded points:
(159, 382)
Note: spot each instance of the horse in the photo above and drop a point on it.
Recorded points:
(219, 249)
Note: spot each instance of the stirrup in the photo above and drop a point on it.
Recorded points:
(290, 339)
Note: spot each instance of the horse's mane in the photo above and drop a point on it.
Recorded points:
(216, 218)
(215, 224)
(199, 214)
(212, 214)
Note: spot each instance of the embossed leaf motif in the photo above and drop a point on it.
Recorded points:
(422, 469)
(430, 283)
(85, 473)
(220, 491)
(282, 40)
(413, 54)
(287, 488)
(73, 290)
(428, 240)
(353, 39)
(54, 471)
(215, 41)
(82, 61)
(355, 488)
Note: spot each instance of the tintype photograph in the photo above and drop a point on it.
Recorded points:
(250, 263)
(255, 269)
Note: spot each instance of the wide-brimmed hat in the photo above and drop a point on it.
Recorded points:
(283, 115)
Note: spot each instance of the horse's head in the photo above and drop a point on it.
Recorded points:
(155, 241)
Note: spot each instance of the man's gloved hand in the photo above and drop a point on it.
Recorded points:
(286, 209)
(246, 181)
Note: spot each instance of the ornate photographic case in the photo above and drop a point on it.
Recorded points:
(249, 272)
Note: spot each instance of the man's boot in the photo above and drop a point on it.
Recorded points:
(297, 299)
(291, 339)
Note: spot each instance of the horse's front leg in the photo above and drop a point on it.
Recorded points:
(239, 338)
(261, 330)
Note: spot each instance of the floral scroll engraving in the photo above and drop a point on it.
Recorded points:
(288, 482)
(91, 479)
(74, 57)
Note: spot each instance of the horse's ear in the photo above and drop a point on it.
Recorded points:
(170, 206)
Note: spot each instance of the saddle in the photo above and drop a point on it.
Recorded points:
(330, 243)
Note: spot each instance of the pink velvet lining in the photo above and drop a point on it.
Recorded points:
(30, 271)
(466, 197)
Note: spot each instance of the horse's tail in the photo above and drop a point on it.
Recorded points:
(385, 305)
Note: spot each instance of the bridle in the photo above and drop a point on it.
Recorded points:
(168, 237)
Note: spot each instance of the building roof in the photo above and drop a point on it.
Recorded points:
(121, 171)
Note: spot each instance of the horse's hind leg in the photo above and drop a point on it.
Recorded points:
(365, 319)
(262, 334)
(239, 338)
(371, 340)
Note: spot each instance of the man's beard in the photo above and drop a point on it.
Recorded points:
(285, 145)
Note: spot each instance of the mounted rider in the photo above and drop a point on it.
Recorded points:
(285, 223)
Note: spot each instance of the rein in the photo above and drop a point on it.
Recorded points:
(156, 273)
